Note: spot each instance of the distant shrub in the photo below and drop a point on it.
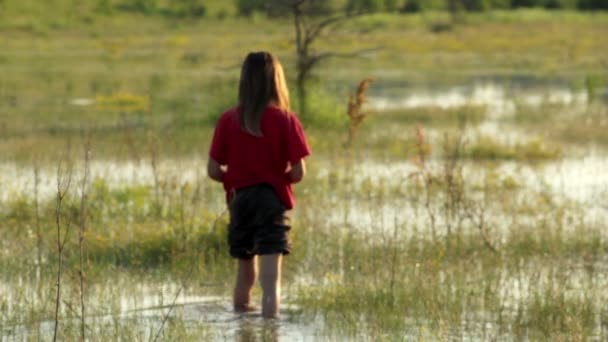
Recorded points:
(141, 6)
(411, 6)
(103, 6)
(500, 4)
(391, 5)
(222, 14)
(468, 5)
(175, 8)
(440, 27)
(370, 6)
(247, 7)
(524, 3)
(281, 8)
(188, 8)
(592, 4)
(476, 5)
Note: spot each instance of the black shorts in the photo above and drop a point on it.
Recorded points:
(258, 224)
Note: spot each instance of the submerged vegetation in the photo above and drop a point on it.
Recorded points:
(434, 218)
(493, 266)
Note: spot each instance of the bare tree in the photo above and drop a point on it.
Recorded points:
(309, 27)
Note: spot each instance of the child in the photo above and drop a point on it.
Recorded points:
(257, 152)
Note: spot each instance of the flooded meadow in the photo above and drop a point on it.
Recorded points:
(468, 212)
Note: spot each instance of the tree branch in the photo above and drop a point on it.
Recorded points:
(319, 57)
(314, 31)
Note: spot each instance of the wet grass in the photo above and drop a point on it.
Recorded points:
(539, 280)
(588, 129)
(463, 254)
(488, 148)
(419, 288)
(580, 126)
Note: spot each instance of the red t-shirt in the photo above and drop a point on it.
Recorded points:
(253, 160)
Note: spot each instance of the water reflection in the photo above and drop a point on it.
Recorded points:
(515, 287)
(250, 330)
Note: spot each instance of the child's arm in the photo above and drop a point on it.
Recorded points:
(297, 171)
(214, 170)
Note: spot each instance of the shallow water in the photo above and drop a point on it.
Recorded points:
(501, 99)
(142, 303)
(581, 180)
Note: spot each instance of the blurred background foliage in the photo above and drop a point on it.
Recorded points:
(230, 8)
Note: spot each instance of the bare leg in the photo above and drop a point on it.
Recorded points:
(270, 279)
(244, 282)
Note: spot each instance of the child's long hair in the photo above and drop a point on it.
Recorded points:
(262, 81)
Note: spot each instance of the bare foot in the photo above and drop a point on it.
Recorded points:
(244, 308)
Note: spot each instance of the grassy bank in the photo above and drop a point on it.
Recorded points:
(130, 79)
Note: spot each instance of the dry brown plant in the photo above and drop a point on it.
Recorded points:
(355, 112)
(423, 149)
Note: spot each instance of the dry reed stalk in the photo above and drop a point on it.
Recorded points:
(422, 150)
(130, 141)
(64, 180)
(476, 213)
(37, 213)
(153, 149)
(454, 184)
(182, 214)
(394, 255)
(82, 231)
(354, 110)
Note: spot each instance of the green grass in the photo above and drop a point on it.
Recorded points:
(487, 148)
(578, 126)
(382, 293)
(184, 85)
